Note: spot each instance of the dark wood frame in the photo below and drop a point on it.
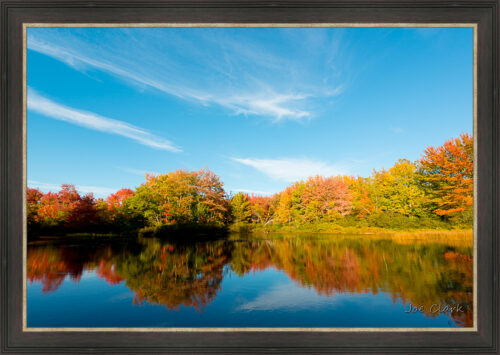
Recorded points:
(485, 13)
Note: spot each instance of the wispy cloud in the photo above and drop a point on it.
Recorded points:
(249, 79)
(277, 106)
(397, 130)
(49, 108)
(287, 297)
(252, 192)
(292, 169)
(96, 190)
(80, 61)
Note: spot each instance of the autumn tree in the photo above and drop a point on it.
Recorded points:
(325, 197)
(55, 207)
(317, 198)
(360, 190)
(113, 205)
(212, 205)
(240, 208)
(263, 208)
(398, 190)
(447, 173)
(115, 200)
(284, 206)
(33, 197)
(180, 197)
(61, 210)
(84, 213)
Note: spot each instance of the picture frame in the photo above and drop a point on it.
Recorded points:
(483, 14)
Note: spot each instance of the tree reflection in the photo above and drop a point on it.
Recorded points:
(190, 274)
(175, 274)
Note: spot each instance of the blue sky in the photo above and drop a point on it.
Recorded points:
(260, 107)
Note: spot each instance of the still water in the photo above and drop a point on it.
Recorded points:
(251, 281)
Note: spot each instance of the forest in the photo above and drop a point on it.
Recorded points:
(434, 192)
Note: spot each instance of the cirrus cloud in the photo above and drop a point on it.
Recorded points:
(49, 108)
(292, 169)
(250, 79)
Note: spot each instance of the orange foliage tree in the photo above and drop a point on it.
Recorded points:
(56, 208)
(317, 198)
(65, 208)
(361, 197)
(114, 203)
(33, 197)
(263, 208)
(447, 172)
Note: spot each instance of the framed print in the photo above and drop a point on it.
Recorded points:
(249, 176)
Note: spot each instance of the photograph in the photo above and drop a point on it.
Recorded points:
(250, 177)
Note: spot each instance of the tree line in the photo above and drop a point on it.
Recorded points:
(434, 191)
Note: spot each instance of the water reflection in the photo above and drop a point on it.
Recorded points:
(175, 275)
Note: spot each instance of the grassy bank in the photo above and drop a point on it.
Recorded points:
(203, 231)
(339, 229)
(462, 237)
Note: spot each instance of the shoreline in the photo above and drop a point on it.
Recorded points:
(414, 234)
(336, 229)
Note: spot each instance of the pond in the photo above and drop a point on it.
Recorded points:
(266, 280)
